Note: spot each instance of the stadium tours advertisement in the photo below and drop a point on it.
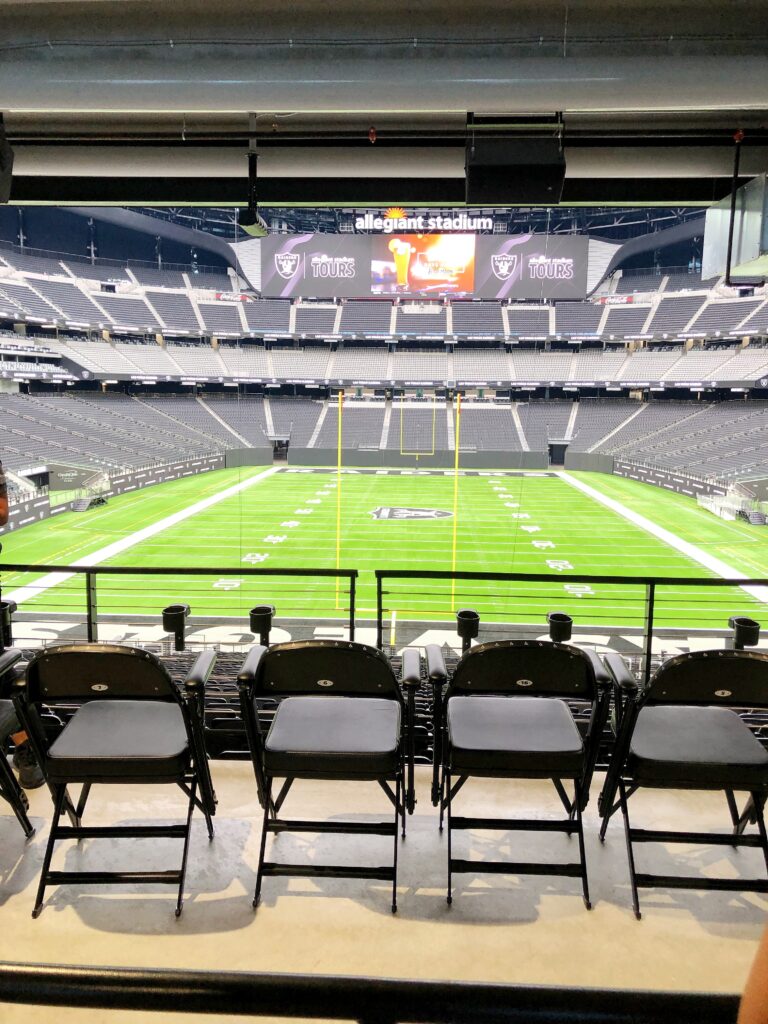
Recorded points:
(319, 265)
(526, 266)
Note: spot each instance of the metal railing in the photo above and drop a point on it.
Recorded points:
(647, 608)
(364, 999)
(83, 260)
(90, 581)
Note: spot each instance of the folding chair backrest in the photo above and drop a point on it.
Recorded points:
(735, 678)
(326, 668)
(527, 668)
(97, 671)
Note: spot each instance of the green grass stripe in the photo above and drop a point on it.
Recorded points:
(590, 538)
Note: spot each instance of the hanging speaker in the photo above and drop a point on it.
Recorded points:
(514, 171)
(6, 164)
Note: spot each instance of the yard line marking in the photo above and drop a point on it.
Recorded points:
(717, 566)
(51, 579)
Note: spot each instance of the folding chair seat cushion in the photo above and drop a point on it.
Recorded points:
(696, 746)
(121, 739)
(509, 734)
(334, 735)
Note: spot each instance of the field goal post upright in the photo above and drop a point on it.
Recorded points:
(454, 538)
(339, 413)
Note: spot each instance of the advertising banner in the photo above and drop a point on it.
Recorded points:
(317, 266)
(422, 265)
(532, 267)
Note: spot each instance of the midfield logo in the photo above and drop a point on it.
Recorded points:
(395, 512)
(504, 265)
(287, 263)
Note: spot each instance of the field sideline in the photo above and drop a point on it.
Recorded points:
(524, 522)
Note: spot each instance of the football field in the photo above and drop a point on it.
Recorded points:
(544, 522)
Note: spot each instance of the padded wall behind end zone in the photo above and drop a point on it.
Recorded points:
(234, 458)
(586, 461)
(377, 457)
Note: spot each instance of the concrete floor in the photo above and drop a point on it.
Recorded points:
(531, 930)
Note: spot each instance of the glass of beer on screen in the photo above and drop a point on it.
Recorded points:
(401, 252)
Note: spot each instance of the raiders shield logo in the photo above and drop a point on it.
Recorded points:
(287, 263)
(504, 265)
(393, 512)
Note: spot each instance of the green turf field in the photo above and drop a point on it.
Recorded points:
(506, 522)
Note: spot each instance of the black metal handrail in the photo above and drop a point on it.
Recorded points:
(338, 997)
(92, 572)
(650, 583)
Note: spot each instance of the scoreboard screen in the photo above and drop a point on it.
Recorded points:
(526, 266)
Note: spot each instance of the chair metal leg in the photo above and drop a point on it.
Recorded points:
(759, 806)
(447, 802)
(68, 806)
(20, 810)
(630, 853)
(609, 813)
(279, 800)
(85, 792)
(747, 816)
(263, 845)
(201, 802)
(208, 822)
(582, 851)
(185, 851)
(733, 810)
(604, 827)
(58, 804)
(15, 795)
(402, 811)
(437, 753)
(567, 804)
(441, 796)
(400, 798)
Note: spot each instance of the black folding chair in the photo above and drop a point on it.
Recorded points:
(341, 715)
(506, 715)
(127, 722)
(683, 731)
(10, 790)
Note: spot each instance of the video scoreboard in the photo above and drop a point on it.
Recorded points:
(525, 266)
